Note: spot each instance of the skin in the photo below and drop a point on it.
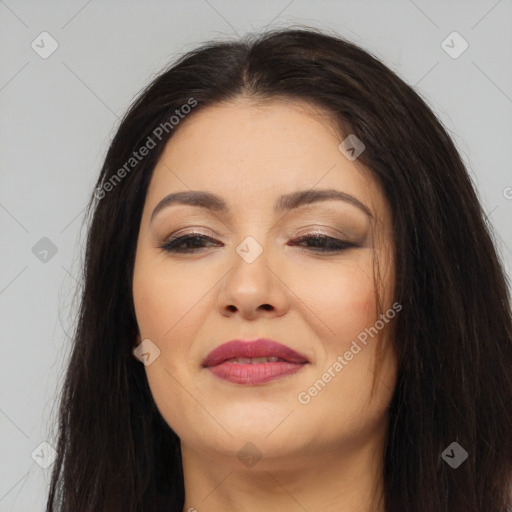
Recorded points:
(324, 455)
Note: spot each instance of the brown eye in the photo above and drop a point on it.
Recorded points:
(323, 243)
(186, 243)
(194, 242)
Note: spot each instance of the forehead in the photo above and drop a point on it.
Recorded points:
(245, 150)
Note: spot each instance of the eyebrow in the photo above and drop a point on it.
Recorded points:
(284, 203)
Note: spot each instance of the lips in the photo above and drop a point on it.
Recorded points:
(253, 362)
(253, 349)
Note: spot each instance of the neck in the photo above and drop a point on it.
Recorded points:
(348, 480)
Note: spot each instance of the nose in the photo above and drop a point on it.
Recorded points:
(253, 289)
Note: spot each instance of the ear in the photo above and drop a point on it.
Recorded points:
(138, 340)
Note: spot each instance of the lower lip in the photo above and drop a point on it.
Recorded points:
(254, 373)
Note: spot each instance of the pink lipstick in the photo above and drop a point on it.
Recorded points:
(253, 362)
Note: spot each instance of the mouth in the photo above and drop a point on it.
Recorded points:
(253, 362)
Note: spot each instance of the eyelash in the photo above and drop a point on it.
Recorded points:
(339, 245)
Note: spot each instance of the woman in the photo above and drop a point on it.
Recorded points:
(292, 299)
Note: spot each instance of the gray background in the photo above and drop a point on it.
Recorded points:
(59, 114)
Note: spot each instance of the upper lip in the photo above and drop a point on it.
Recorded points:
(260, 347)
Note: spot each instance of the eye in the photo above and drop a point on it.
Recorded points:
(324, 243)
(192, 242)
(195, 241)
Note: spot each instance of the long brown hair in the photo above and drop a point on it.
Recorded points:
(453, 336)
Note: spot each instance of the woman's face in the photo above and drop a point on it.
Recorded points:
(251, 274)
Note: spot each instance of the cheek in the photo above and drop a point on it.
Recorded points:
(162, 299)
(342, 298)
(165, 302)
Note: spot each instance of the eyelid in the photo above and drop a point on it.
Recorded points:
(312, 230)
(191, 230)
(316, 229)
(291, 232)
